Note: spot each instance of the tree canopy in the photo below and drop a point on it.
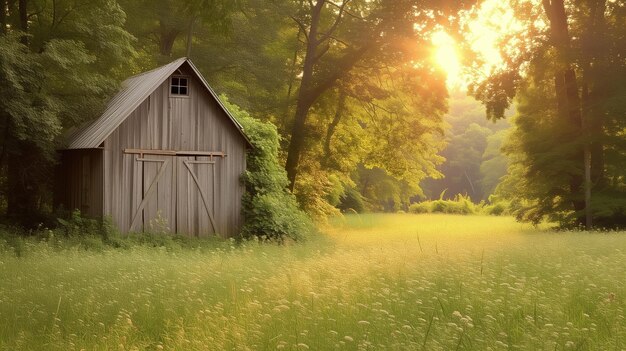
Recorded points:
(567, 74)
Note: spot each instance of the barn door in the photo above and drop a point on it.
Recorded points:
(153, 196)
(195, 205)
(174, 192)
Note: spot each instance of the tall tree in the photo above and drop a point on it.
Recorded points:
(580, 44)
(168, 28)
(59, 65)
(338, 36)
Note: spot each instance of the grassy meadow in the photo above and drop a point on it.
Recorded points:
(372, 282)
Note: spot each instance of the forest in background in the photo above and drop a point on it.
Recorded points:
(353, 91)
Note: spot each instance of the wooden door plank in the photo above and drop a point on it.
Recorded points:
(149, 193)
(202, 195)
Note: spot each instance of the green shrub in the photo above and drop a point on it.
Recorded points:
(497, 209)
(12, 243)
(351, 201)
(420, 207)
(462, 205)
(438, 206)
(269, 208)
(76, 225)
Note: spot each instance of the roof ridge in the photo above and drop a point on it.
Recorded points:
(182, 59)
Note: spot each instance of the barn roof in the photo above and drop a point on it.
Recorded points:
(136, 90)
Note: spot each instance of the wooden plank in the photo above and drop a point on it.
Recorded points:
(150, 152)
(150, 171)
(201, 166)
(201, 190)
(158, 214)
(131, 200)
(174, 153)
(147, 195)
(182, 205)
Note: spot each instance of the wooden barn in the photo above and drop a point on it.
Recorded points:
(165, 155)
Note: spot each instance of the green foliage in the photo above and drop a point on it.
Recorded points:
(462, 205)
(382, 192)
(352, 201)
(164, 27)
(420, 207)
(570, 102)
(494, 162)
(473, 162)
(497, 206)
(269, 209)
(28, 112)
(77, 225)
(58, 70)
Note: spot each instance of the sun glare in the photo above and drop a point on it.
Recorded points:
(494, 20)
(447, 57)
(490, 22)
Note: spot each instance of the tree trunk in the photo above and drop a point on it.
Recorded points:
(568, 99)
(305, 98)
(297, 140)
(167, 37)
(311, 90)
(341, 104)
(23, 10)
(189, 37)
(3, 17)
(25, 176)
(594, 49)
(292, 78)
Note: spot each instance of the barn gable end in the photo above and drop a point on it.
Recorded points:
(169, 162)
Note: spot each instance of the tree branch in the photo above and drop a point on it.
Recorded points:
(301, 26)
(343, 68)
(547, 7)
(332, 28)
(321, 53)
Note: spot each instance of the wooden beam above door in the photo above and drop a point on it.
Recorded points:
(142, 152)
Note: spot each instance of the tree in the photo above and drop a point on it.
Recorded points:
(494, 163)
(340, 36)
(270, 210)
(59, 62)
(161, 25)
(566, 100)
(470, 152)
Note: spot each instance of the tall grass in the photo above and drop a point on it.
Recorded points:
(374, 282)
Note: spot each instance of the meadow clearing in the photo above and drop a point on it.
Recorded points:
(372, 282)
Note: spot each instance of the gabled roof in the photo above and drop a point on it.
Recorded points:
(136, 90)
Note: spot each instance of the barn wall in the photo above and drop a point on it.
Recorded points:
(194, 123)
(79, 181)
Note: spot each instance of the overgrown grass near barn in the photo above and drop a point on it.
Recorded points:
(375, 282)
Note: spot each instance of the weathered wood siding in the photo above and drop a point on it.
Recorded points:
(194, 123)
(79, 181)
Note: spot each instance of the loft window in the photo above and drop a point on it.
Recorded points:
(179, 86)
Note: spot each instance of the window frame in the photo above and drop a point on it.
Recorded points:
(171, 85)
